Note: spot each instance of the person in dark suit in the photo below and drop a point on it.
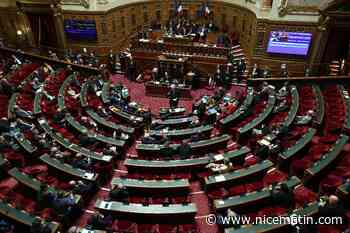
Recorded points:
(282, 195)
(185, 150)
(119, 193)
(173, 97)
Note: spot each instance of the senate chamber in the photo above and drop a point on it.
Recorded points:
(174, 116)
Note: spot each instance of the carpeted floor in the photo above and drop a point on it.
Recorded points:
(197, 194)
(137, 93)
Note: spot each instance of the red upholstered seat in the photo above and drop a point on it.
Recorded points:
(166, 228)
(342, 171)
(330, 183)
(254, 186)
(300, 165)
(237, 190)
(125, 226)
(303, 195)
(274, 176)
(146, 228)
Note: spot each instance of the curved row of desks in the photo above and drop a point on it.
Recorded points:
(294, 106)
(200, 145)
(299, 145)
(22, 216)
(188, 163)
(262, 116)
(62, 91)
(67, 168)
(105, 92)
(346, 99)
(150, 210)
(102, 121)
(320, 105)
(327, 158)
(96, 117)
(76, 125)
(152, 184)
(32, 183)
(228, 120)
(182, 133)
(83, 130)
(2, 160)
(309, 210)
(238, 174)
(71, 146)
(172, 122)
(19, 136)
(252, 197)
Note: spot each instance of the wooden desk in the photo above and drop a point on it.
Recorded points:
(62, 91)
(66, 168)
(240, 201)
(162, 89)
(294, 106)
(309, 210)
(261, 117)
(22, 216)
(24, 142)
(168, 112)
(105, 92)
(109, 124)
(150, 210)
(238, 174)
(346, 99)
(228, 120)
(300, 144)
(183, 133)
(11, 106)
(70, 146)
(33, 183)
(174, 122)
(320, 105)
(208, 144)
(83, 95)
(125, 116)
(2, 160)
(185, 163)
(327, 158)
(152, 184)
(37, 103)
(83, 130)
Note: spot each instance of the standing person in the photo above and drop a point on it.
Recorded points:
(173, 96)
(147, 117)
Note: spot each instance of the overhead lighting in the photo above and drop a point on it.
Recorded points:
(19, 33)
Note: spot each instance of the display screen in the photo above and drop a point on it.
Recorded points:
(80, 30)
(293, 43)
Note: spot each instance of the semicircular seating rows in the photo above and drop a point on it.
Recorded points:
(68, 128)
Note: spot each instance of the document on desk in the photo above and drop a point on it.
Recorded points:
(220, 178)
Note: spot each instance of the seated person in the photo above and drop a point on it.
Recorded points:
(59, 117)
(39, 227)
(282, 195)
(119, 193)
(82, 187)
(4, 125)
(185, 150)
(283, 91)
(22, 113)
(45, 197)
(98, 221)
(332, 207)
(281, 107)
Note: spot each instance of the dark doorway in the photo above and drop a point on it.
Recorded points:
(43, 28)
(337, 45)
